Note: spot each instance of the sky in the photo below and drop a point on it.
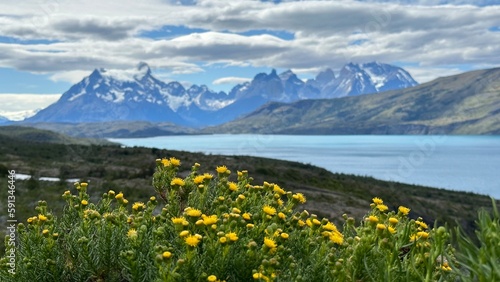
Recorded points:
(48, 45)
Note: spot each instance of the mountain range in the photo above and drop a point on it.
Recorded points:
(467, 103)
(137, 95)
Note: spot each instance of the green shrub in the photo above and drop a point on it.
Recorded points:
(221, 226)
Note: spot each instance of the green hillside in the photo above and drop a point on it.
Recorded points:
(468, 103)
(114, 129)
(28, 134)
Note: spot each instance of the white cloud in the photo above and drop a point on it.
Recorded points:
(231, 80)
(20, 106)
(69, 76)
(90, 34)
(426, 74)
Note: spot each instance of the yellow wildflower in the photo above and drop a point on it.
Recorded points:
(84, 202)
(138, 206)
(184, 233)
(199, 179)
(222, 240)
(445, 266)
(309, 222)
(84, 184)
(175, 162)
(212, 278)
(382, 208)
(232, 236)
(132, 233)
(282, 215)
(393, 220)
(167, 255)
(177, 181)
(178, 220)
(45, 232)
(329, 226)
(209, 220)
(192, 212)
(119, 196)
(270, 243)
(233, 186)
(165, 162)
(301, 223)
(42, 217)
(299, 197)
(259, 275)
(316, 222)
(377, 201)
(381, 226)
(421, 224)
(192, 240)
(278, 190)
(404, 210)
(269, 210)
(284, 235)
(246, 216)
(372, 219)
(423, 234)
(250, 226)
(221, 169)
(337, 237)
(391, 229)
(280, 202)
(208, 176)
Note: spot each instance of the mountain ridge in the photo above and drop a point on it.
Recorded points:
(467, 103)
(136, 95)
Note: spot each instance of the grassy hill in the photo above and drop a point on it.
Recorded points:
(29, 134)
(130, 170)
(467, 103)
(114, 129)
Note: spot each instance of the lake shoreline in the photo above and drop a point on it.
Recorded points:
(440, 161)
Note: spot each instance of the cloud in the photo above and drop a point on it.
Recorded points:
(231, 80)
(20, 106)
(426, 74)
(69, 76)
(90, 34)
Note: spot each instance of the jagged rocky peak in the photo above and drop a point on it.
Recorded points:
(287, 75)
(325, 76)
(143, 70)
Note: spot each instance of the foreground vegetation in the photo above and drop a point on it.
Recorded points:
(130, 169)
(218, 225)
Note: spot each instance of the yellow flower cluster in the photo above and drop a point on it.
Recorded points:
(233, 223)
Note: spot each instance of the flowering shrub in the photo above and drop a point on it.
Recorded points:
(222, 227)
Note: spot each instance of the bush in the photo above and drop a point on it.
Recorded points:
(205, 227)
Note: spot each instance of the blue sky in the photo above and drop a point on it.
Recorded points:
(46, 46)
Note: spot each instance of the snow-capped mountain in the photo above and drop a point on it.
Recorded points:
(4, 120)
(108, 95)
(135, 95)
(357, 79)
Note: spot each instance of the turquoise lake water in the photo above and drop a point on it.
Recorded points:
(465, 163)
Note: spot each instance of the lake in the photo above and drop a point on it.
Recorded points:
(465, 163)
